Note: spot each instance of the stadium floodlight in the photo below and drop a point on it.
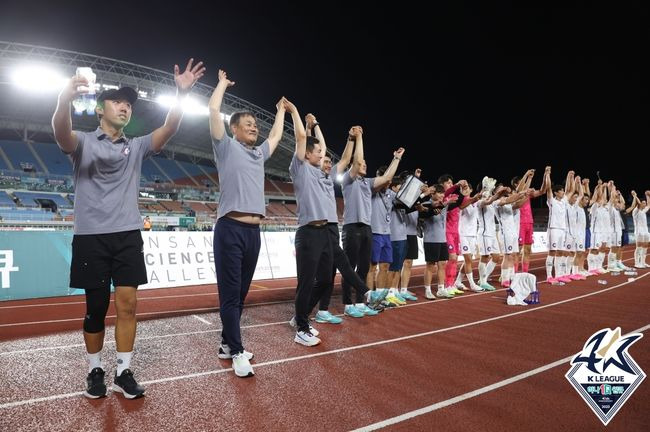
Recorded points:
(190, 105)
(38, 79)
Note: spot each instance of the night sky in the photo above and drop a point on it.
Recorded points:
(470, 91)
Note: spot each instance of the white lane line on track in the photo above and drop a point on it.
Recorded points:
(460, 398)
(204, 321)
(336, 351)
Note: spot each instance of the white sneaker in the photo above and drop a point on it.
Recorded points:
(306, 338)
(224, 353)
(460, 286)
(293, 324)
(442, 292)
(242, 366)
(476, 288)
(429, 295)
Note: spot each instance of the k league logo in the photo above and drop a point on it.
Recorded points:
(604, 374)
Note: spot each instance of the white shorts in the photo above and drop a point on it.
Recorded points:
(556, 239)
(600, 239)
(569, 243)
(487, 245)
(616, 238)
(642, 237)
(510, 242)
(468, 245)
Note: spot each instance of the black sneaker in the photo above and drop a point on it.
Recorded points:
(126, 384)
(96, 387)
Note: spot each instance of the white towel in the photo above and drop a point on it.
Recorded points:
(522, 285)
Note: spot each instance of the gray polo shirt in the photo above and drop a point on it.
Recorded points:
(314, 191)
(241, 175)
(332, 215)
(107, 180)
(357, 195)
(398, 224)
(382, 205)
(435, 228)
(412, 223)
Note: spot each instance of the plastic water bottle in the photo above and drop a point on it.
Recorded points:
(87, 102)
(602, 281)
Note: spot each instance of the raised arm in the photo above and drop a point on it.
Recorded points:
(568, 184)
(635, 202)
(299, 130)
(384, 179)
(547, 183)
(184, 83)
(217, 128)
(62, 120)
(275, 134)
(346, 157)
(356, 136)
(314, 126)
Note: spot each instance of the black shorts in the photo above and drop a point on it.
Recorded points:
(434, 252)
(412, 248)
(99, 259)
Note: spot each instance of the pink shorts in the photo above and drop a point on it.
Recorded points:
(453, 242)
(526, 234)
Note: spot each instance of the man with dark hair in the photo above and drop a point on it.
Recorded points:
(107, 244)
(237, 242)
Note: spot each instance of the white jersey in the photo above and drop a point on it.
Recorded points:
(468, 223)
(486, 225)
(506, 216)
(581, 218)
(573, 211)
(601, 221)
(617, 220)
(557, 213)
(640, 220)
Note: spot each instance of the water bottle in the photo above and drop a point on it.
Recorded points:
(87, 102)
(602, 281)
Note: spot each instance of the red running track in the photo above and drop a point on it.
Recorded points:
(442, 358)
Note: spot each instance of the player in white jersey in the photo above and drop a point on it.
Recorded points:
(617, 207)
(506, 208)
(557, 227)
(639, 210)
(574, 242)
(600, 227)
(467, 229)
(487, 238)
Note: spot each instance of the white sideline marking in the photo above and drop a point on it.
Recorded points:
(205, 321)
(336, 351)
(460, 398)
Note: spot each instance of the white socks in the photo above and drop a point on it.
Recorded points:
(549, 266)
(94, 361)
(123, 361)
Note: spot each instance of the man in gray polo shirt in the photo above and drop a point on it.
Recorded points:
(357, 234)
(107, 244)
(240, 163)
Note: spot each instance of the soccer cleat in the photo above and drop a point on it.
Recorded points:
(96, 387)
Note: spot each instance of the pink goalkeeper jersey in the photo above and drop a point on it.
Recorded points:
(525, 213)
(453, 215)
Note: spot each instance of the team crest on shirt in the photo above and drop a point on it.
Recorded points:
(604, 374)
(450, 247)
(126, 150)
